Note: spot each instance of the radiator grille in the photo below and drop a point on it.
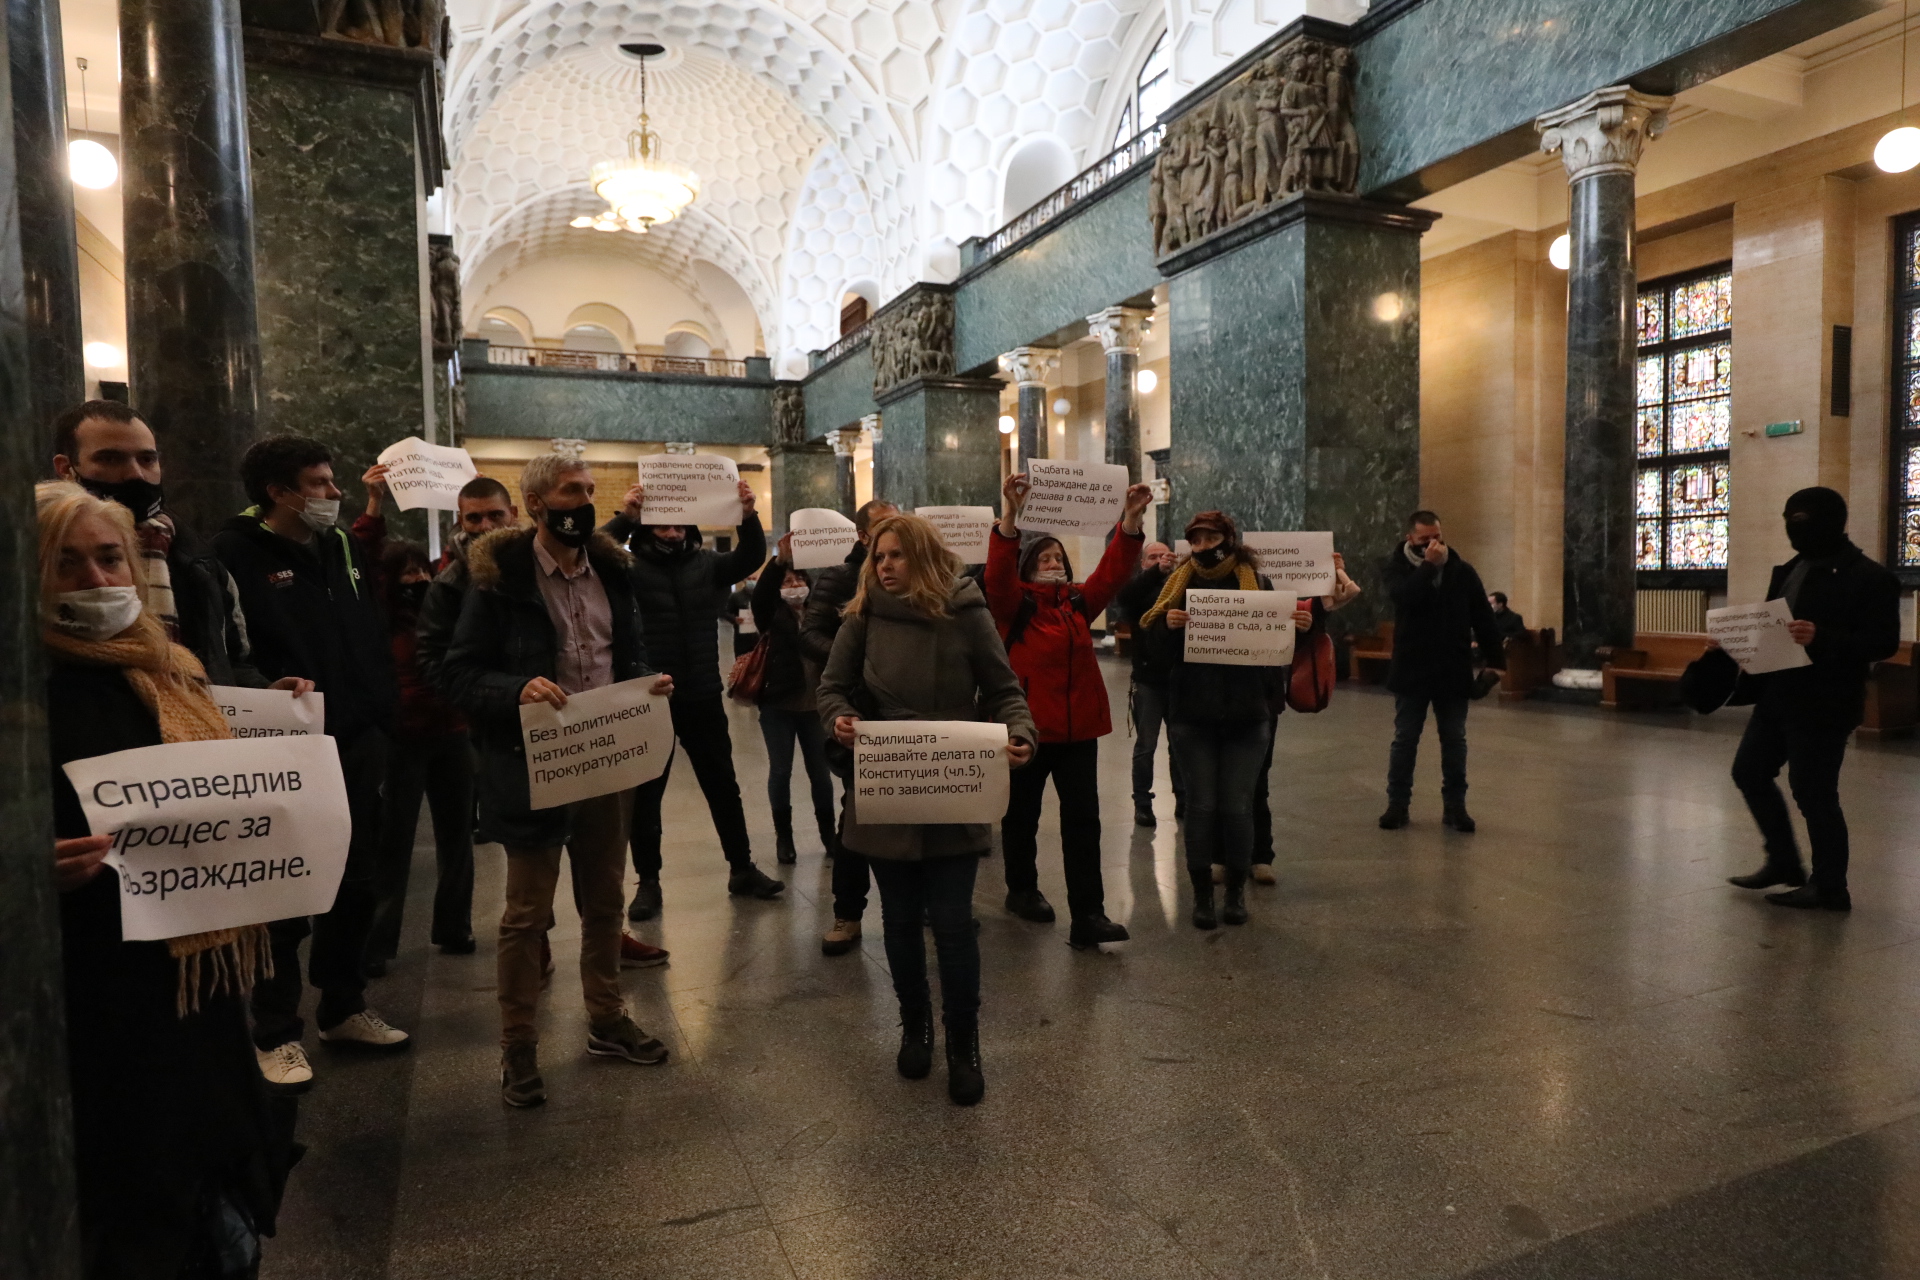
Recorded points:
(1670, 611)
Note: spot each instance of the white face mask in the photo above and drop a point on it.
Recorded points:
(794, 595)
(1049, 575)
(321, 514)
(99, 613)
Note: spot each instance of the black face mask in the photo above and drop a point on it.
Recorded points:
(414, 593)
(1211, 557)
(142, 497)
(1817, 522)
(572, 526)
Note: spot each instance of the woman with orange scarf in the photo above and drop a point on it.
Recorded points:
(180, 1157)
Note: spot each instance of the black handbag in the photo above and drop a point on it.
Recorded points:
(1709, 681)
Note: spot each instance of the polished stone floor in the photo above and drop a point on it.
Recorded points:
(1560, 1048)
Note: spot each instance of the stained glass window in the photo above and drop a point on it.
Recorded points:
(1683, 421)
(1904, 469)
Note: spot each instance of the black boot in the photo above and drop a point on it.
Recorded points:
(916, 1042)
(1779, 868)
(1455, 815)
(1235, 909)
(784, 852)
(965, 1082)
(1090, 931)
(1203, 917)
(829, 838)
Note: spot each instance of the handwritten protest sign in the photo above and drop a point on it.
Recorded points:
(1067, 498)
(426, 475)
(964, 530)
(270, 713)
(1240, 628)
(602, 741)
(1755, 636)
(820, 537)
(1299, 564)
(929, 771)
(215, 835)
(699, 488)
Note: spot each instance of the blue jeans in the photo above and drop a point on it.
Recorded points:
(1409, 718)
(1149, 713)
(780, 730)
(1220, 762)
(939, 890)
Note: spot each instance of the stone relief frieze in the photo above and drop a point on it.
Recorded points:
(913, 340)
(1283, 127)
(789, 414)
(399, 24)
(443, 268)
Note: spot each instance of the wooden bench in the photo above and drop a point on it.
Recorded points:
(1370, 656)
(1893, 696)
(1648, 674)
(1531, 661)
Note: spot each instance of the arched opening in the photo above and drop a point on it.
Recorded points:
(505, 327)
(603, 316)
(1037, 167)
(857, 305)
(688, 341)
(592, 337)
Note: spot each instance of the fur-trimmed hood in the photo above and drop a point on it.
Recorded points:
(504, 558)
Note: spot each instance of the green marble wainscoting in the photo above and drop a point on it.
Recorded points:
(584, 404)
(340, 245)
(841, 393)
(939, 445)
(1295, 377)
(804, 475)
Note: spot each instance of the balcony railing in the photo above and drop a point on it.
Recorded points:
(847, 342)
(614, 362)
(1117, 164)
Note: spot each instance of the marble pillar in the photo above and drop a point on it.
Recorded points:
(845, 441)
(37, 1235)
(1119, 330)
(49, 258)
(1030, 367)
(806, 475)
(1600, 139)
(1295, 378)
(941, 446)
(193, 339)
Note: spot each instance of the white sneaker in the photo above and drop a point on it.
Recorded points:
(285, 1068)
(367, 1029)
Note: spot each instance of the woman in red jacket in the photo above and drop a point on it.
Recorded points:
(1043, 616)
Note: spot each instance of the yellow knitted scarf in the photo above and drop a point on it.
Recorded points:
(172, 684)
(1176, 586)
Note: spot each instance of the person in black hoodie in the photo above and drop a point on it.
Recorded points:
(787, 713)
(1439, 609)
(1846, 611)
(1147, 703)
(308, 591)
(683, 590)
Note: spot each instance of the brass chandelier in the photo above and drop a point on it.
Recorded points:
(642, 190)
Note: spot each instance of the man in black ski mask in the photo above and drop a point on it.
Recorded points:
(1846, 611)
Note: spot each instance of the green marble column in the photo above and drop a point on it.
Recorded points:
(939, 443)
(1295, 378)
(49, 259)
(344, 152)
(804, 475)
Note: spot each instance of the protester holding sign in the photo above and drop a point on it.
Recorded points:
(1147, 698)
(919, 644)
(683, 591)
(787, 712)
(485, 505)
(551, 613)
(1846, 611)
(1220, 716)
(309, 592)
(178, 1140)
(1045, 619)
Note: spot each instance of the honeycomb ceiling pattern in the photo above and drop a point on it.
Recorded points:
(832, 246)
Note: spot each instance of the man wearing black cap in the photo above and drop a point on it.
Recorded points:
(1846, 611)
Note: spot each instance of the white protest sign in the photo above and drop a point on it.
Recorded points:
(1755, 636)
(700, 488)
(929, 771)
(1240, 628)
(1300, 564)
(964, 530)
(216, 835)
(746, 625)
(820, 537)
(269, 713)
(1083, 498)
(426, 475)
(602, 741)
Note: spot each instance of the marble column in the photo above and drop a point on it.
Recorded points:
(942, 443)
(805, 475)
(1119, 330)
(49, 258)
(1600, 139)
(193, 339)
(37, 1236)
(845, 441)
(1030, 367)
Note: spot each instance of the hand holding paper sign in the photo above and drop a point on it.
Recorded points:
(702, 488)
(1760, 637)
(818, 537)
(421, 475)
(963, 530)
(1066, 498)
(595, 743)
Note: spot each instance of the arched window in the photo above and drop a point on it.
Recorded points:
(1152, 94)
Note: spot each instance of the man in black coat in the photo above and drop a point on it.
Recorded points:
(484, 506)
(1149, 709)
(309, 593)
(1846, 611)
(1439, 609)
(683, 591)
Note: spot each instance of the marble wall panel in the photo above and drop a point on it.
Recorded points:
(840, 394)
(803, 476)
(939, 447)
(575, 404)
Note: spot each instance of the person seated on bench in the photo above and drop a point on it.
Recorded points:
(1508, 623)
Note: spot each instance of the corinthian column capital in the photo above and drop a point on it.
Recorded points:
(1603, 132)
(1119, 328)
(1031, 366)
